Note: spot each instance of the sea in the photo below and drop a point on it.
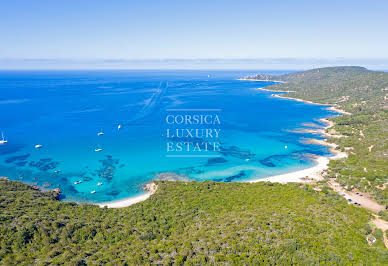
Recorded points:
(101, 135)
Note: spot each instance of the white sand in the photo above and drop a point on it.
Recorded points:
(150, 188)
(125, 202)
(314, 172)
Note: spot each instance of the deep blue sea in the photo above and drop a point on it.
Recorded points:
(140, 114)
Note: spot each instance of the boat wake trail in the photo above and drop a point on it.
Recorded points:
(152, 105)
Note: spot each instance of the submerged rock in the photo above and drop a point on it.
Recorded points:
(235, 151)
(214, 161)
(108, 168)
(44, 164)
(17, 158)
(171, 176)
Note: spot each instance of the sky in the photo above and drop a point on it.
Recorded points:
(169, 29)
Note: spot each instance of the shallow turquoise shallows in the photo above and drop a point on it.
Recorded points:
(101, 135)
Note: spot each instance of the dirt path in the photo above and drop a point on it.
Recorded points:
(383, 225)
(363, 200)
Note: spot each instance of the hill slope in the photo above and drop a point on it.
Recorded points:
(364, 93)
(205, 222)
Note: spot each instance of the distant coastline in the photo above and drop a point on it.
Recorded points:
(265, 80)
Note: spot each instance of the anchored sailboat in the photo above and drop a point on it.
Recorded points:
(3, 141)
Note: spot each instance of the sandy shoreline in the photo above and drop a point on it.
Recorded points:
(125, 202)
(301, 176)
(330, 107)
(264, 89)
(322, 163)
(314, 173)
(150, 188)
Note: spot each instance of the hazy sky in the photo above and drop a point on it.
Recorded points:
(95, 29)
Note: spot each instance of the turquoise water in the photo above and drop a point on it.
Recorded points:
(64, 110)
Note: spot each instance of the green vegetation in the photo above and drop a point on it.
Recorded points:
(195, 223)
(227, 223)
(364, 93)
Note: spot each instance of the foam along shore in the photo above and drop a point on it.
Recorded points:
(150, 188)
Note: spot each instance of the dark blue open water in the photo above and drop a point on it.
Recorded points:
(64, 110)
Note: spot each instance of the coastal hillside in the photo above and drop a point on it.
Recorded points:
(355, 89)
(228, 223)
(193, 223)
(363, 134)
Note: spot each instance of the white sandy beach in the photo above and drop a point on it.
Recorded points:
(150, 188)
(314, 172)
(125, 202)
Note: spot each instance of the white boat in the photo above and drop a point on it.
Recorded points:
(99, 184)
(118, 127)
(92, 192)
(97, 150)
(37, 146)
(77, 182)
(286, 147)
(100, 133)
(57, 171)
(3, 141)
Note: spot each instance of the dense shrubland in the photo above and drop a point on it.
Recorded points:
(205, 222)
(364, 93)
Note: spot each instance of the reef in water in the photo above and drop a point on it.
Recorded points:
(10, 148)
(44, 164)
(21, 163)
(171, 176)
(108, 168)
(235, 151)
(213, 161)
(231, 178)
(16, 158)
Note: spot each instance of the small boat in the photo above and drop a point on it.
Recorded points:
(37, 146)
(92, 192)
(99, 184)
(77, 182)
(285, 147)
(57, 171)
(97, 150)
(3, 141)
(100, 133)
(118, 127)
